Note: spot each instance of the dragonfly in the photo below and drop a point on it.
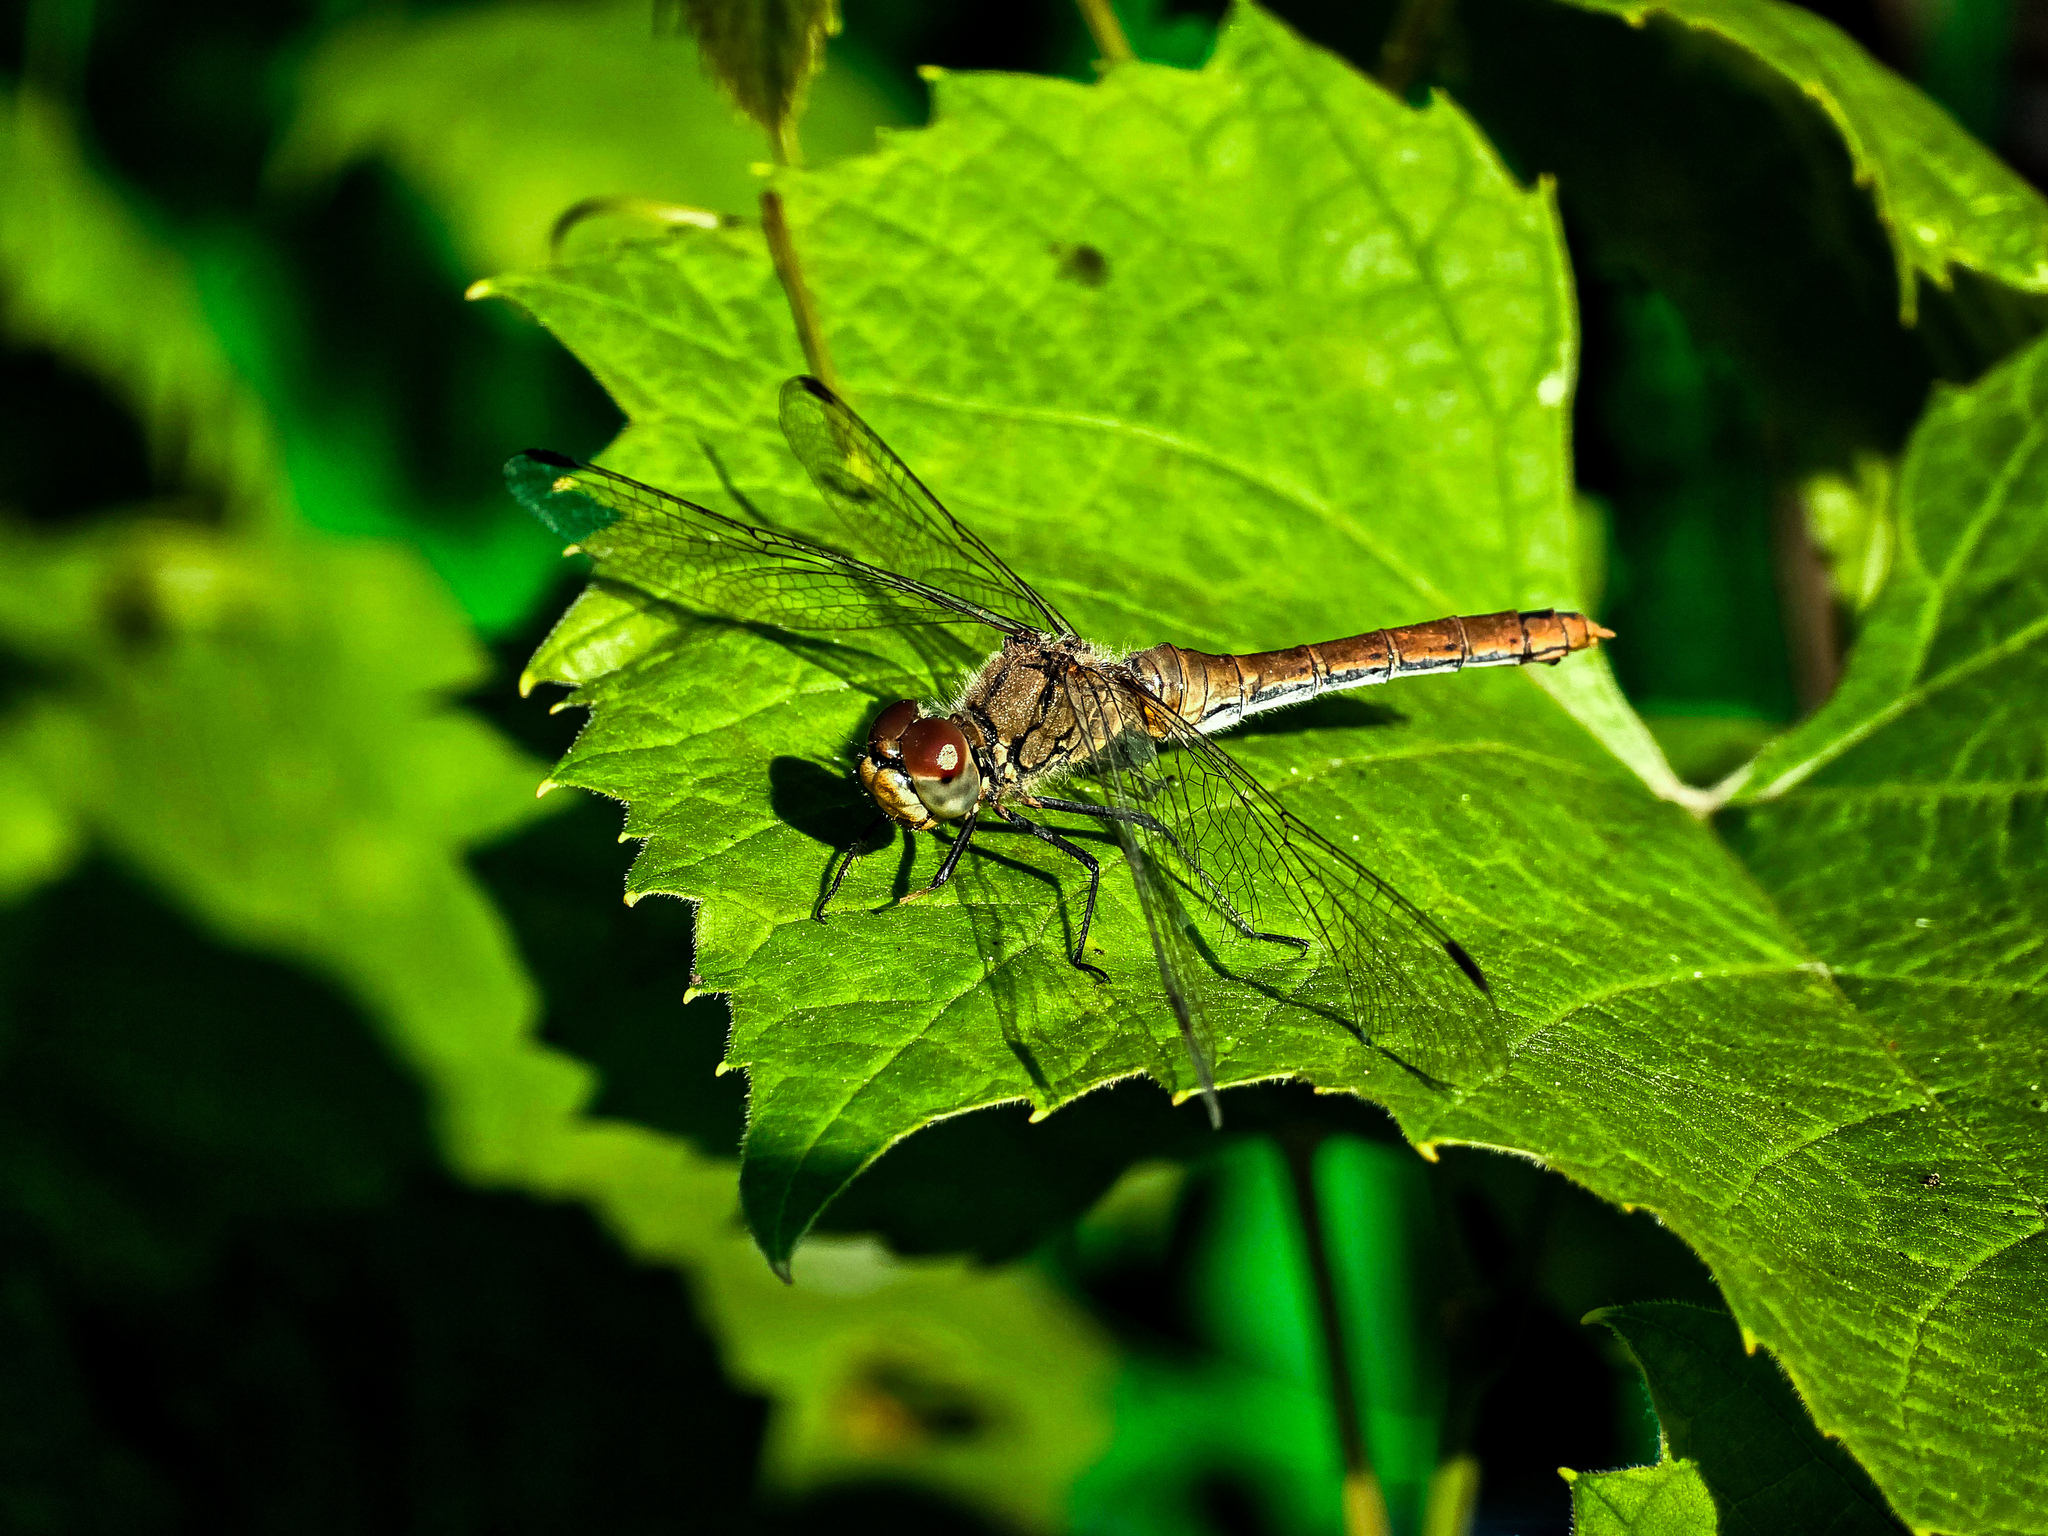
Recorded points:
(1049, 725)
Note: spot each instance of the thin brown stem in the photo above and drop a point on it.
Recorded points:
(1806, 597)
(801, 310)
(1107, 31)
(1410, 41)
(784, 145)
(1365, 1507)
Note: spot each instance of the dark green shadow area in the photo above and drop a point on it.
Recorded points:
(1734, 1413)
(238, 1294)
(614, 977)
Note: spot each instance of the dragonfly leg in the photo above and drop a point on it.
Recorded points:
(843, 861)
(1151, 823)
(1087, 862)
(952, 859)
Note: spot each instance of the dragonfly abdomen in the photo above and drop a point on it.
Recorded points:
(1213, 693)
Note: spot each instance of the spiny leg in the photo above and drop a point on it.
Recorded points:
(1087, 862)
(960, 841)
(844, 862)
(1153, 824)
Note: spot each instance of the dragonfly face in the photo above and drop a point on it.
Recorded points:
(919, 768)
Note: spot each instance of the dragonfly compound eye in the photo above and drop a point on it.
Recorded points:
(939, 764)
(889, 726)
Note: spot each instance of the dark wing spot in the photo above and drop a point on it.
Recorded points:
(1466, 964)
(550, 458)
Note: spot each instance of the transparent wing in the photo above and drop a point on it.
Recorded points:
(891, 518)
(704, 560)
(1387, 969)
(1126, 769)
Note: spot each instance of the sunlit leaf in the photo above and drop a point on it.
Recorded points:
(1904, 830)
(1667, 1499)
(1320, 386)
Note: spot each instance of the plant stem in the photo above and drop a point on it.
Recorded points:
(1365, 1507)
(1806, 597)
(801, 310)
(1107, 31)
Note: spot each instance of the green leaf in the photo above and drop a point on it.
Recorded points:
(1928, 762)
(83, 277)
(1732, 1414)
(1946, 200)
(1321, 387)
(1668, 1499)
(723, 741)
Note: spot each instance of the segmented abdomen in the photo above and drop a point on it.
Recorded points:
(1215, 692)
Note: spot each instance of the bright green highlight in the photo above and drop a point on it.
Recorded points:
(1323, 387)
(1668, 1499)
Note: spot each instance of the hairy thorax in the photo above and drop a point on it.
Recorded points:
(1023, 711)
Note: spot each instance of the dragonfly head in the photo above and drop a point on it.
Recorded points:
(919, 767)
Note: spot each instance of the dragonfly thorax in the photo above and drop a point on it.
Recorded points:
(919, 768)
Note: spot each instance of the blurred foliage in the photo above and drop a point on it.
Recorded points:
(363, 1161)
(1667, 1498)
(500, 147)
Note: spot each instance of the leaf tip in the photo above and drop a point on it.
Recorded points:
(632, 898)
(540, 790)
(482, 288)
(527, 683)
(1428, 1150)
(1568, 1474)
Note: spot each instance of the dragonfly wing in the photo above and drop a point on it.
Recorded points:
(1127, 773)
(889, 515)
(1389, 971)
(690, 555)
